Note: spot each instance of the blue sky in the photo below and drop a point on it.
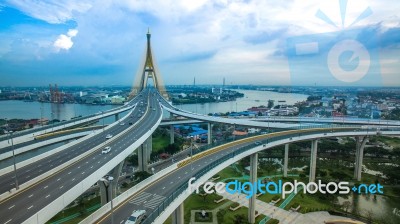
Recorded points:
(82, 42)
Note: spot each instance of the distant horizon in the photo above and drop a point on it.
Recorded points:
(202, 85)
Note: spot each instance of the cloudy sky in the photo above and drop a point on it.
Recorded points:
(101, 42)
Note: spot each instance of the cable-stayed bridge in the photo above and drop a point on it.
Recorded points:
(50, 184)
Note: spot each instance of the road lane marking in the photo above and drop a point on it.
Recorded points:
(8, 221)
(61, 187)
(73, 179)
(30, 196)
(30, 207)
(47, 196)
(45, 187)
(91, 167)
(69, 172)
(11, 207)
(58, 179)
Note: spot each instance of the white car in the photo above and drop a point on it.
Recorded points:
(106, 150)
(136, 217)
(122, 124)
(109, 136)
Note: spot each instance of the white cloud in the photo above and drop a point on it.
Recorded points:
(113, 31)
(72, 32)
(51, 11)
(65, 41)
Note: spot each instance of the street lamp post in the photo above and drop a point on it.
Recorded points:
(15, 167)
(102, 114)
(110, 179)
(191, 154)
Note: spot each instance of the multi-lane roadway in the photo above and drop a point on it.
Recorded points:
(153, 195)
(27, 202)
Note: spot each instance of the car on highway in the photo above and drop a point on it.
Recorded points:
(257, 143)
(109, 136)
(136, 217)
(106, 150)
(122, 124)
(154, 109)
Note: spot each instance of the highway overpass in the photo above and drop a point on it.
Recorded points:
(167, 189)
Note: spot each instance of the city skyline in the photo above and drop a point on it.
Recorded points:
(82, 43)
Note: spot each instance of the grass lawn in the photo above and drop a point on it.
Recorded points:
(229, 217)
(273, 221)
(196, 202)
(309, 203)
(160, 142)
(228, 172)
(268, 197)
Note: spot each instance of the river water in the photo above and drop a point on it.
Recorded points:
(251, 98)
(27, 110)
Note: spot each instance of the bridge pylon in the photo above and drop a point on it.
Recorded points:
(148, 69)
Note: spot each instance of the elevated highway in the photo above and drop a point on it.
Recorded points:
(28, 135)
(42, 200)
(36, 168)
(275, 122)
(44, 140)
(168, 191)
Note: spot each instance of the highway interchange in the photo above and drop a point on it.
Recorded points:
(27, 202)
(24, 204)
(155, 193)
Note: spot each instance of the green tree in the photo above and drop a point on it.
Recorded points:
(141, 175)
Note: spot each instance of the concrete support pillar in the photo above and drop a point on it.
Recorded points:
(142, 158)
(253, 179)
(115, 173)
(171, 134)
(313, 160)
(177, 215)
(105, 185)
(209, 134)
(116, 117)
(149, 149)
(286, 160)
(104, 192)
(360, 144)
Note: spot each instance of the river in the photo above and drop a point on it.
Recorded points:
(28, 110)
